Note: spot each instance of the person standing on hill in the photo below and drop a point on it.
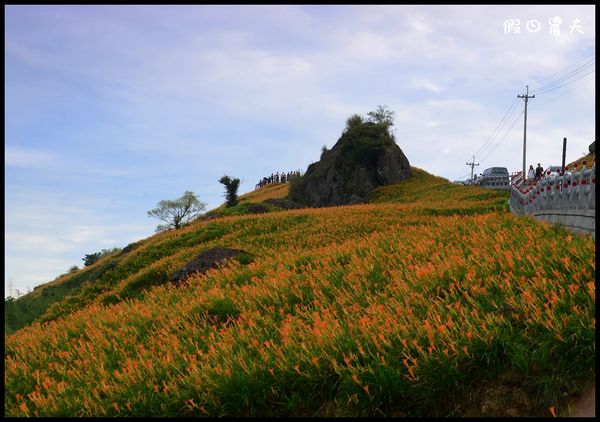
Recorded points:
(530, 173)
(539, 171)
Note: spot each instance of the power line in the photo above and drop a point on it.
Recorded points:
(567, 76)
(569, 66)
(500, 130)
(497, 130)
(562, 70)
(558, 96)
(501, 139)
(465, 172)
(561, 82)
(565, 84)
(509, 111)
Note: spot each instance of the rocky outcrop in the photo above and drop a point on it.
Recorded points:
(257, 208)
(286, 204)
(365, 157)
(204, 262)
(592, 147)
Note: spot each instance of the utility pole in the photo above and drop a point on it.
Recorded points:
(472, 164)
(526, 97)
(564, 155)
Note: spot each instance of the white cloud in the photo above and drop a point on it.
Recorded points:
(454, 104)
(29, 273)
(419, 23)
(428, 86)
(30, 242)
(364, 46)
(29, 158)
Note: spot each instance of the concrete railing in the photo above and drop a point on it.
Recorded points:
(569, 200)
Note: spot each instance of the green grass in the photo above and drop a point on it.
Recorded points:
(323, 316)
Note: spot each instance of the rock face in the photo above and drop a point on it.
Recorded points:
(204, 262)
(364, 157)
(257, 208)
(286, 204)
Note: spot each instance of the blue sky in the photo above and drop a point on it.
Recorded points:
(110, 109)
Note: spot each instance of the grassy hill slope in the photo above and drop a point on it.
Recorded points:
(416, 304)
(73, 290)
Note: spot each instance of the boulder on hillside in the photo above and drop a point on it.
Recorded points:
(211, 258)
(365, 157)
(592, 147)
(286, 204)
(257, 208)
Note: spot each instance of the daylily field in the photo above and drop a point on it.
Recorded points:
(404, 306)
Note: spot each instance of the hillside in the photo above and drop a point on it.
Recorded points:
(589, 160)
(75, 289)
(127, 274)
(423, 302)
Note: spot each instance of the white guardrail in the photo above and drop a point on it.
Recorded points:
(569, 199)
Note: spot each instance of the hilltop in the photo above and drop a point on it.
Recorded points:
(365, 157)
(430, 300)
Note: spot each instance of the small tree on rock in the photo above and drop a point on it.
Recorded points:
(354, 120)
(231, 188)
(177, 212)
(382, 116)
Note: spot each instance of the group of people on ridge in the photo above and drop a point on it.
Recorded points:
(277, 178)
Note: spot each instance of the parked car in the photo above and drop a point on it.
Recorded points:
(495, 178)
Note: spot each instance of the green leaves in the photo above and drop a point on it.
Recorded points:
(231, 188)
(177, 212)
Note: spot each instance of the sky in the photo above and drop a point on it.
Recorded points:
(111, 109)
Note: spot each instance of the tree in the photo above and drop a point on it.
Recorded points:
(177, 212)
(106, 252)
(231, 188)
(90, 259)
(382, 116)
(354, 120)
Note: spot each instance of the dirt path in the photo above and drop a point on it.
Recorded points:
(585, 406)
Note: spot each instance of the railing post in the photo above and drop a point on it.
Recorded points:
(593, 188)
(551, 193)
(578, 190)
(559, 191)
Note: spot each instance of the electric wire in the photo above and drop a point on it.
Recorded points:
(558, 96)
(579, 68)
(568, 67)
(565, 77)
(494, 133)
(509, 111)
(565, 84)
(565, 80)
(509, 116)
(501, 139)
